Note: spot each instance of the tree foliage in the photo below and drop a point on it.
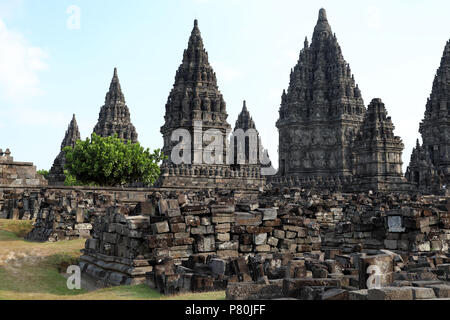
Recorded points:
(43, 173)
(111, 162)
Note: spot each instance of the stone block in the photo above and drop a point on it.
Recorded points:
(391, 293)
(260, 239)
(441, 290)
(160, 227)
(423, 293)
(253, 291)
(385, 265)
(272, 241)
(268, 214)
(359, 295)
(247, 219)
(222, 237)
(335, 294)
(205, 243)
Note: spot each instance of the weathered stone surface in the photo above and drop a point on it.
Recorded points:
(429, 168)
(18, 174)
(114, 117)
(423, 293)
(253, 291)
(358, 295)
(441, 290)
(56, 175)
(196, 105)
(318, 122)
(391, 293)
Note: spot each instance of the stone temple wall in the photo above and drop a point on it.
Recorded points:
(130, 247)
(63, 213)
(18, 173)
(125, 247)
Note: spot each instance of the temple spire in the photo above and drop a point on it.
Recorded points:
(322, 25)
(114, 115)
(195, 95)
(56, 174)
(72, 134)
(323, 15)
(115, 90)
(245, 121)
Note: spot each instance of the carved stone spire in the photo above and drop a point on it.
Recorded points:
(195, 99)
(321, 111)
(244, 121)
(114, 115)
(378, 152)
(195, 95)
(56, 174)
(72, 134)
(435, 130)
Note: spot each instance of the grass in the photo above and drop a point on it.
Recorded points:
(32, 271)
(18, 228)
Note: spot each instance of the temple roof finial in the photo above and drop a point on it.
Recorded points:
(323, 15)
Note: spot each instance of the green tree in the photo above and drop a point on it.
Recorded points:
(111, 162)
(43, 173)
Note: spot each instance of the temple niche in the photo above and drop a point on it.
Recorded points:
(320, 114)
(429, 169)
(114, 117)
(56, 175)
(196, 106)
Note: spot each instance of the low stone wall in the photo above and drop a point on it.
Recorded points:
(298, 222)
(123, 248)
(63, 213)
(18, 173)
(66, 213)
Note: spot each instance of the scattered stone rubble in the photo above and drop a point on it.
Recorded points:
(63, 213)
(295, 244)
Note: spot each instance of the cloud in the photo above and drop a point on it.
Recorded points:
(20, 63)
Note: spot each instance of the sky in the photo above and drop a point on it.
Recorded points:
(57, 58)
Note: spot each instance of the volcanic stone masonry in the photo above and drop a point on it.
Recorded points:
(296, 243)
(195, 98)
(377, 153)
(114, 117)
(430, 163)
(251, 157)
(321, 112)
(14, 173)
(326, 138)
(56, 175)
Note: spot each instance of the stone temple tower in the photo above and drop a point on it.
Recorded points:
(114, 115)
(320, 114)
(56, 175)
(196, 105)
(251, 150)
(377, 153)
(429, 168)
